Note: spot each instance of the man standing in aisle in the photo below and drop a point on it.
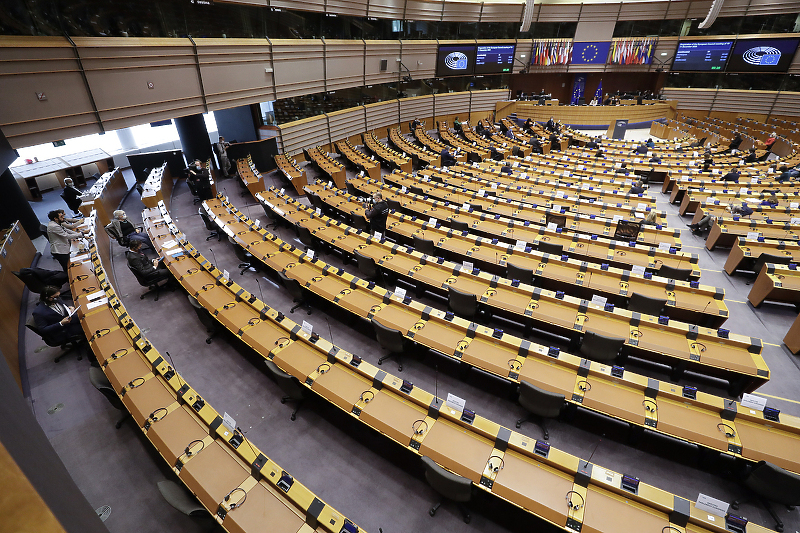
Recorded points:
(61, 230)
(222, 154)
(377, 214)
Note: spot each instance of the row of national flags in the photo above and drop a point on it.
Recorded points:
(632, 51)
(548, 53)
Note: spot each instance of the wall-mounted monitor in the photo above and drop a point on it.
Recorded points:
(703, 56)
(455, 60)
(762, 55)
(494, 58)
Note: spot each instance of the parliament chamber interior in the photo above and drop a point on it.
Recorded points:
(400, 266)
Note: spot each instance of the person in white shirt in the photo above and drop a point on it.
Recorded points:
(60, 231)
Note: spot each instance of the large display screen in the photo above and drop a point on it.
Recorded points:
(762, 55)
(455, 60)
(494, 58)
(705, 56)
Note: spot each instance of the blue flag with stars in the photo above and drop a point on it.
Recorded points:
(598, 94)
(577, 88)
(590, 53)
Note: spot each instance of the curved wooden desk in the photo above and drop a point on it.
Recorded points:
(595, 115)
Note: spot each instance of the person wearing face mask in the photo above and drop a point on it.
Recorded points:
(377, 213)
(55, 319)
(201, 179)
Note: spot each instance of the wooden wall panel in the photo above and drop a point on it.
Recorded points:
(698, 10)
(502, 11)
(451, 104)
(422, 9)
(234, 71)
(594, 13)
(734, 101)
(316, 6)
(347, 122)
(787, 104)
(353, 8)
(376, 51)
(416, 52)
(381, 115)
(644, 10)
(698, 99)
(344, 64)
(486, 100)
(769, 7)
(390, 9)
(734, 8)
(120, 72)
(299, 68)
(30, 65)
(305, 133)
(559, 12)
(411, 108)
(461, 11)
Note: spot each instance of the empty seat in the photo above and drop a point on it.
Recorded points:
(540, 404)
(600, 348)
(523, 275)
(646, 305)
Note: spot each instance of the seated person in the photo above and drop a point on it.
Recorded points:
(123, 230)
(784, 174)
(151, 270)
(770, 141)
(751, 157)
(495, 154)
(551, 125)
(593, 102)
(607, 100)
(650, 143)
(655, 159)
(506, 170)
(650, 219)
(736, 142)
(52, 317)
(510, 134)
(536, 146)
(448, 159)
(599, 154)
(457, 125)
(637, 188)
(528, 126)
(772, 201)
(415, 123)
(733, 176)
(479, 129)
(555, 144)
(641, 149)
(593, 144)
(708, 162)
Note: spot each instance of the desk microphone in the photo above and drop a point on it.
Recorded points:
(261, 292)
(214, 256)
(180, 379)
(330, 331)
(436, 385)
(595, 449)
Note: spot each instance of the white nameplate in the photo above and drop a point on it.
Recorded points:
(307, 327)
(711, 505)
(454, 402)
(751, 401)
(96, 303)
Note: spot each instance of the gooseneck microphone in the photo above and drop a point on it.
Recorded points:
(436, 385)
(261, 292)
(595, 449)
(214, 256)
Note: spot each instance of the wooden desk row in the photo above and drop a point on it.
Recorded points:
(291, 171)
(455, 142)
(680, 345)
(725, 231)
(386, 154)
(250, 177)
(580, 216)
(479, 449)
(778, 283)
(214, 462)
(744, 253)
(685, 301)
(586, 247)
(506, 144)
(760, 213)
(419, 155)
(330, 167)
(735, 195)
(433, 145)
(622, 396)
(158, 186)
(792, 337)
(106, 195)
(359, 160)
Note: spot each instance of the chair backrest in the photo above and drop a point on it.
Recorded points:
(539, 401)
(43, 230)
(681, 274)
(351, 189)
(640, 303)
(358, 222)
(30, 279)
(304, 234)
(210, 226)
(627, 229)
(292, 285)
(241, 254)
(317, 202)
(424, 246)
(769, 258)
(463, 304)
(416, 190)
(600, 348)
(394, 205)
(524, 275)
(457, 225)
(550, 248)
(366, 265)
(390, 339)
(101, 383)
(287, 383)
(140, 278)
(449, 485)
(559, 220)
(774, 483)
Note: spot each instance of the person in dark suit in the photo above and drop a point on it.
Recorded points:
(378, 213)
(528, 126)
(736, 142)
(200, 178)
(751, 157)
(505, 169)
(593, 144)
(551, 125)
(637, 188)
(641, 149)
(52, 317)
(448, 160)
(151, 270)
(733, 176)
(555, 144)
(536, 146)
(72, 196)
(708, 162)
(495, 154)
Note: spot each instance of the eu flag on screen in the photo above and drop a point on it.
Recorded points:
(595, 53)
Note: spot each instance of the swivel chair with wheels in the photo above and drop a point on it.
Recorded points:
(308, 240)
(275, 220)
(449, 485)
(465, 305)
(770, 483)
(181, 499)
(540, 404)
(296, 291)
(289, 385)
(210, 226)
(152, 284)
(763, 259)
(368, 268)
(73, 343)
(391, 340)
(646, 305)
(600, 348)
(245, 258)
(205, 318)
(101, 383)
(424, 246)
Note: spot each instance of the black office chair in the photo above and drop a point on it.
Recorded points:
(43, 231)
(181, 499)
(289, 385)
(646, 305)
(296, 291)
(559, 220)
(152, 283)
(37, 279)
(770, 483)
(358, 222)
(600, 348)
(449, 485)
(517, 152)
(550, 248)
(540, 404)
(523, 275)
(192, 189)
(73, 343)
(416, 190)
(457, 225)
(317, 202)
(391, 340)
(205, 318)
(465, 304)
(274, 218)
(394, 205)
(424, 246)
(245, 258)
(101, 383)
(308, 240)
(763, 259)
(368, 268)
(210, 226)
(351, 189)
(680, 274)
(627, 230)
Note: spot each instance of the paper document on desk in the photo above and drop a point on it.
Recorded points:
(173, 251)
(170, 244)
(711, 505)
(751, 401)
(96, 303)
(599, 301)
(80, 258)
(95, 295)
(663, 246)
